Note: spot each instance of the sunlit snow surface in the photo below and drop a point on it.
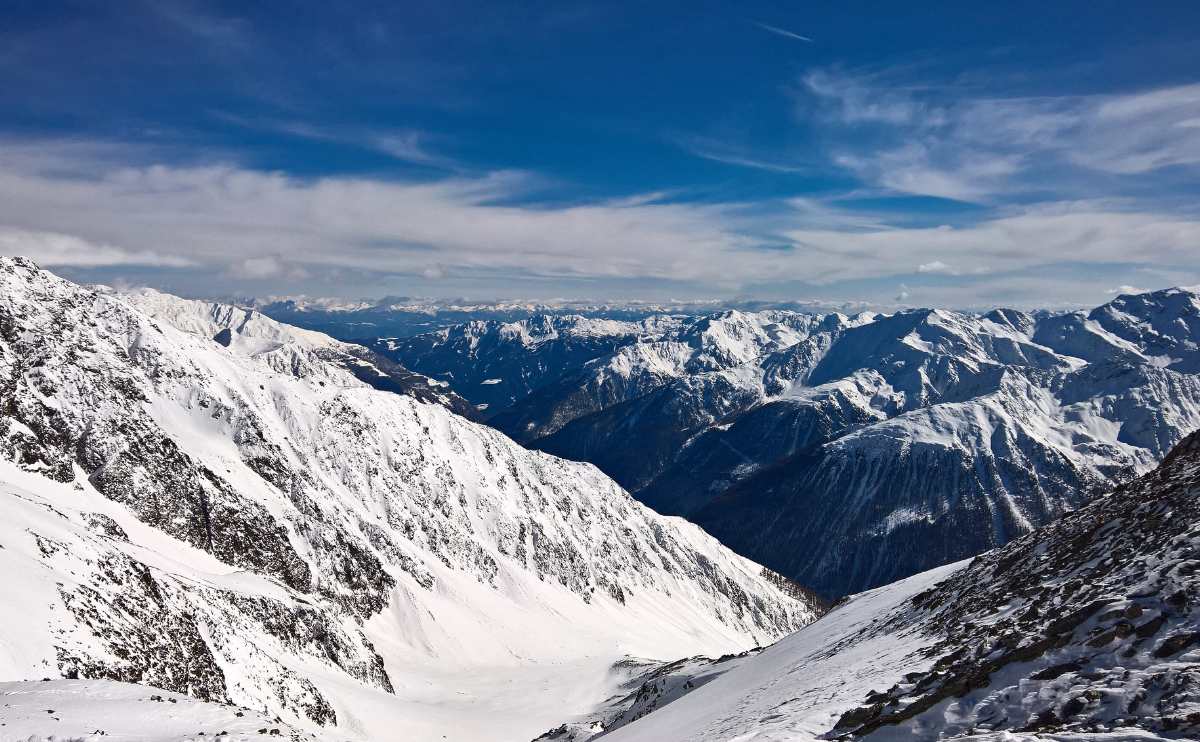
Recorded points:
(107, 711)
(796, 689)
(549, 656)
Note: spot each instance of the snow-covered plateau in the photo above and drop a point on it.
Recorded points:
(197, 499)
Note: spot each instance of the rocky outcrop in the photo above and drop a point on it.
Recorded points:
(1098, 612)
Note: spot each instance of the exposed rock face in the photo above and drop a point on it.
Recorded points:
(1100, 611)
(224, 508)
(847, 452)
(651, 687)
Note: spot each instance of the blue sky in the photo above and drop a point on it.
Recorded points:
(960, 154)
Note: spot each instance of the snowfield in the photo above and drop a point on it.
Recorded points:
(108, 711)
(199, 500)
(797, 688)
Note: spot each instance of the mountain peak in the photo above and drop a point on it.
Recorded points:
(18, 261)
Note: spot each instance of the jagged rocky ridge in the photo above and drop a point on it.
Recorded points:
(844, 451)
(1088, 628)
(233, 515)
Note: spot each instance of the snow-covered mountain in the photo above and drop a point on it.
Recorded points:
(850, 451)
(202, 500)
(399, 317)
(539, 374)
(1085, 630)
(249, 332)
(501, 363)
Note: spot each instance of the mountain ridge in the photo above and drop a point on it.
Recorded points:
(248, 521)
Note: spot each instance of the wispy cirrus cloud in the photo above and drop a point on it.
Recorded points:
(719, 151)
(410, 146)
(224, 32)
(783, 32)
(405, 145)
(957, 144)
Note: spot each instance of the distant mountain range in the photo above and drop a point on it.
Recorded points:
(845, 451)
(403, 316)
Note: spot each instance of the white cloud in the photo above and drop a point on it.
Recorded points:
(54, 248)
(950, 144)
(860, 99)
(1082, 232)
(935, 266)
(1142, 132)
(783, 32)
(265, 266)
(920, 169)
(275, 228)
(249, 221)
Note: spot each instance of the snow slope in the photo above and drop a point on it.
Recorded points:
(1087, 629)
(804, 682)
(250, 522)
(108, 711)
